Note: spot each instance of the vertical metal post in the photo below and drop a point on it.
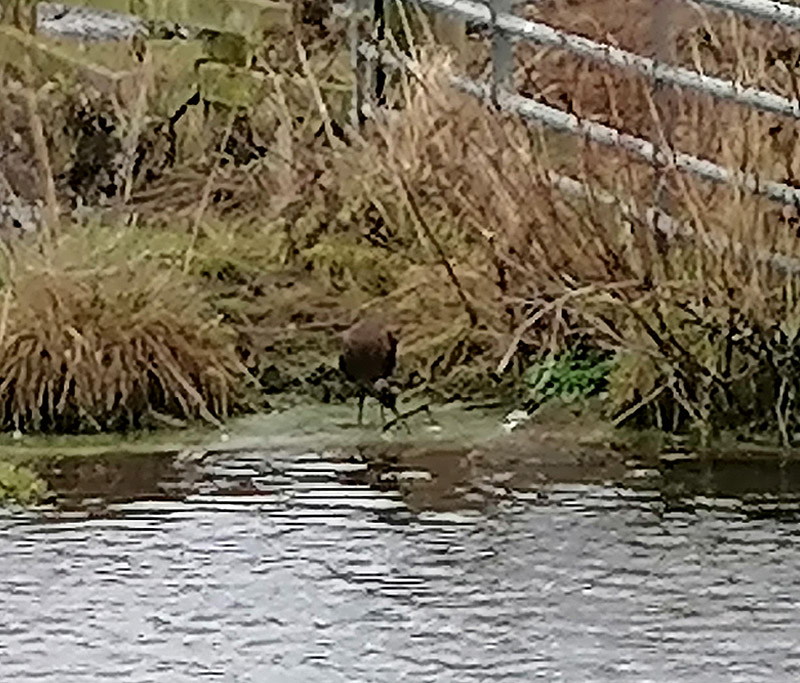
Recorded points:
(354, 38)
(502, 52)
(380, 37)
(451, 30)
(664, 49)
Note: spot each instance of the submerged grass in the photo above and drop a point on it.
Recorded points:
(20, 484)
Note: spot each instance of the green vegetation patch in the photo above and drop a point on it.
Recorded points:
(568, 376)
(20, 484)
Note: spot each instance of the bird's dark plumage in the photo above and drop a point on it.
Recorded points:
(369, 354)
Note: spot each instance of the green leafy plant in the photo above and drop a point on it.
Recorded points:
(568, 376)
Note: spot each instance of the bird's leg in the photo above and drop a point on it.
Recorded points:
(360, 407)
(383, 413)
(398, 417)
(396, 412)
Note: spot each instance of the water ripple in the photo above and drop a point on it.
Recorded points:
(292, 568)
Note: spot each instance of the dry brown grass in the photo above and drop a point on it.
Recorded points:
(100, 335)
(440, 215)
(443, 217)
(703, 327)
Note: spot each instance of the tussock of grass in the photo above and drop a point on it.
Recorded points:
(96, 334)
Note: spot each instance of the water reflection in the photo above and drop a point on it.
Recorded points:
(333, 567)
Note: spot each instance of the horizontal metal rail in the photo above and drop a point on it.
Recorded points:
(669, 226)
(543, 34)
(652, 216)
(766, 10)
(596, 132)
(775, 12)
(644, 149)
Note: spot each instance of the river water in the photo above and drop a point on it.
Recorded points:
(296, 567)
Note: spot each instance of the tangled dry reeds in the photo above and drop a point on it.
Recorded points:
(703, 321)
(441, 212)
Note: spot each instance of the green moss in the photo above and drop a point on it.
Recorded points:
(230, 86)
(20, 484)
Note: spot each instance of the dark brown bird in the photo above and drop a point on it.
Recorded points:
(369, 355)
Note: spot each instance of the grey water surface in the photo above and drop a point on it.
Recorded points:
(292, 567)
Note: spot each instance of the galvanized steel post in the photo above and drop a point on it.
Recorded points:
(355, 20)
(502, 51)
(379, 19)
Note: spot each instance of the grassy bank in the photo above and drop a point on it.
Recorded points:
(220, 273)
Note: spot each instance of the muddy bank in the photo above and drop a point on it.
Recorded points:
(301, 424)
(468, 460)
(461, 448)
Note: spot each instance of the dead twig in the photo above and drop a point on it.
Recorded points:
(204, 199)
(43, 159)
(421, 223)
(315, 89)
(404, 416)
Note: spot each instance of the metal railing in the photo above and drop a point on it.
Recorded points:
(776, 12)
(507, 28)
(542, 34)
